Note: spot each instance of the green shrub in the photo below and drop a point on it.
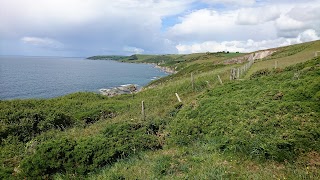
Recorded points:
(50, 157)
(262, 72)
(59, 121)
(79, 157)
(11, 151)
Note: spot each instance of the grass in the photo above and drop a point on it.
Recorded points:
(263, 127)
(287, 56)
(201, 158)
(200, 161)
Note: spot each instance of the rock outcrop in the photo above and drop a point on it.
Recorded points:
(250, 57)
(124, 89)
(166, 69)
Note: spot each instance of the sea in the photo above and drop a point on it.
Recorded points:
(23, 77)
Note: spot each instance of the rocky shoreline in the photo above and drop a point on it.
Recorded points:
(132, 88)
(124, 89)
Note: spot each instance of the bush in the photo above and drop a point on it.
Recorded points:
(262, 72)
(79, 157)
(59, 121)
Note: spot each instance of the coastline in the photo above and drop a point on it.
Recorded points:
(132, 88)
(165, 69)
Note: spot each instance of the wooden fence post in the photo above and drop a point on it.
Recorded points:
(219, 79)
(208, 84)
(238, 73)
(178, 97)
(233, 74)
(275, 64)
(192, 81)
(142, 111)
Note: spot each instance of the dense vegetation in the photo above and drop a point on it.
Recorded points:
(275, 116)
(264, 126)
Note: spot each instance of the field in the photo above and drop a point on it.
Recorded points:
(264, 126)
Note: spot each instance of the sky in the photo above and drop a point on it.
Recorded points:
(82, 28)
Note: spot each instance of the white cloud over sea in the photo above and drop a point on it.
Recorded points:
(84, 28)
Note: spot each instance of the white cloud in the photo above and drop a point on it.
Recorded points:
(305, 12)
(286, 23)
(298, 19)
(43, 42)
(154, 26)
(206, 25)
(210, 46)
(89, 26)
(308, 35)
(231, 2)
(253, 16)
(246, 46)
(133, 50)
(201, 24)
(259, 22)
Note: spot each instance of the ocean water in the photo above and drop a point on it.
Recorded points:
(47, 77)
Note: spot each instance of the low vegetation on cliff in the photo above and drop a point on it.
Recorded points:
(264, 125)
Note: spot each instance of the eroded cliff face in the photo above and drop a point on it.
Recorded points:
(166, 69)
(250, 57)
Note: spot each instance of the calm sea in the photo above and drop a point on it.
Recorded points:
(46, 77)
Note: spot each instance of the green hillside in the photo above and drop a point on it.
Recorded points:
(264, 126)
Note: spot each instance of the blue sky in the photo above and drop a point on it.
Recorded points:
(96, 27)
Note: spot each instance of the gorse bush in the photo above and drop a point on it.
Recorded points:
(65, 155)
(28, 118)
(260, 73)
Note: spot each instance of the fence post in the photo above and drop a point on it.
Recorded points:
(192, 81)
(238, 73)
(275, 64)
(178, 97)
(219, 79)
(233, 74)
(208, 84)
(142, 111)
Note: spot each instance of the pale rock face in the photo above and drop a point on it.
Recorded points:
(250, 57)
(263, 54)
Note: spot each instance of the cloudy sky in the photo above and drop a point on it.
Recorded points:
(92, 27)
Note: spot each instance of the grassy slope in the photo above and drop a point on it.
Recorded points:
(287, 56)
(203, 139)
(240, 130)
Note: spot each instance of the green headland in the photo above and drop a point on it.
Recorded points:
(261, 123)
